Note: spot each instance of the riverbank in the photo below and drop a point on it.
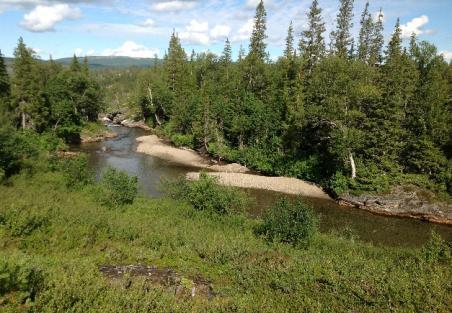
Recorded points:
(398, 203)
(408, 201)
(96, 132)
(234, 174)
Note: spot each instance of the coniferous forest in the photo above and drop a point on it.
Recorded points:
(355, 115)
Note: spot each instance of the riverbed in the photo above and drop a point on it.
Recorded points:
(121, 152)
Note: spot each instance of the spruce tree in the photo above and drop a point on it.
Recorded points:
(312, 44)
(85, 67)
(255, 77)
(226, 56)
(175, 63)
(365, 35)
(341, 37)
(75, 65)
(5, 88)
(289, 50)
(258, 36)
(377, 41)
(241, 54)
(25, 83)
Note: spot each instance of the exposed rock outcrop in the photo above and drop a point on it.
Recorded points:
(408, 201)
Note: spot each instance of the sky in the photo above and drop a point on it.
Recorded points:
(141, 28)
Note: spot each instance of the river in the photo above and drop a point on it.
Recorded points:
(379, 230)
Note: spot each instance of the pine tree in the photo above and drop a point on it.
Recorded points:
(75, 65)
(226, 56)
(365, 35)
(175, 63)
(85, 67)
(289, 50)
(377, 41)
(258, 36)
(255, 78)
(241, 54)
(25, 82)
(394, 50)
(5, 88)
(312, 44)
(341, 37)
(399, 78)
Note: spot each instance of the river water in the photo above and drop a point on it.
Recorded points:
(380, 230)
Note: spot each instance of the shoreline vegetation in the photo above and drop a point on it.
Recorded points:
(401, 204)
(70, 244)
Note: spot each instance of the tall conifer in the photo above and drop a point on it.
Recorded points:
(341, 38)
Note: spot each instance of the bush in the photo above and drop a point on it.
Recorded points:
(338, 184)
(76, 171)
(22, 221)
(206, 195)
(437, 250)
(20, 276)
(289, 222)
(117, 188)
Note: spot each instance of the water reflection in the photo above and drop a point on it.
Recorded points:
(121, 153)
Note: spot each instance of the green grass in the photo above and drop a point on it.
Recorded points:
(52, 241)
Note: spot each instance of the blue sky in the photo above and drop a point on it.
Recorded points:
(141, 28)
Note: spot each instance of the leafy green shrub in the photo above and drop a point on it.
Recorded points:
(22, 221)
(117, 188)
(206, 195)
(182, 140)
(437, 250)
(338, 184)
(288, 222)
(21, 276)
(76, 171)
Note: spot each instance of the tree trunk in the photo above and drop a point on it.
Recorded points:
(352, 163)
(24, 121)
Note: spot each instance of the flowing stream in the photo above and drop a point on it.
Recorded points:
(380, 230)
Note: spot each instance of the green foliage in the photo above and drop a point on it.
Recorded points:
(76, 171)
(437, 250)
(248, 275)
(20, 279)
(22, 221)
(339, 184)
(206, 195)
(116, 188)
(289, 222)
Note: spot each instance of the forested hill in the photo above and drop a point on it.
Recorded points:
(106, 62)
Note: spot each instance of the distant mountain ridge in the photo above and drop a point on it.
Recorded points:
(106, 62)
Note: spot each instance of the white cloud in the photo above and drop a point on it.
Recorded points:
(244, 31)
(197, 27)
(90, 52)
(148, 23)
(78, 52)
(44, 18)
(220, 31)
(195, 38)
(175, 5)
(415, 26)
(132, 49)
(447, 55)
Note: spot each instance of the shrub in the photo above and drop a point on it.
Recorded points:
(22, 221)
(21, 276)
(76, 171)
(437, 250)
(206, 195)
(117, 188)
(338, 184)
(288, 222)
